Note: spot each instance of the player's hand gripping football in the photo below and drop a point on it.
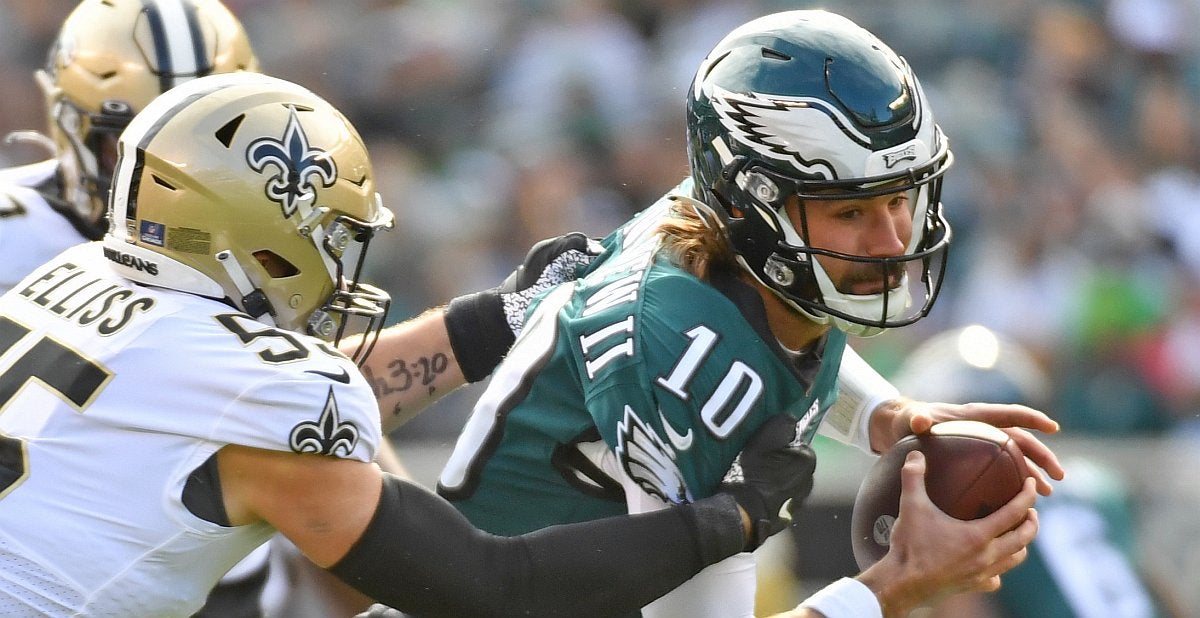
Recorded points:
(903, 416)
(771, 477)
(483, 325)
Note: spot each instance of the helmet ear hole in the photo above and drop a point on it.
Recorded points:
(275, 265)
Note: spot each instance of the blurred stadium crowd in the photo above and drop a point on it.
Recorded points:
(1075, 197)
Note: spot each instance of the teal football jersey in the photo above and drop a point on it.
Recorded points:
(640, 360)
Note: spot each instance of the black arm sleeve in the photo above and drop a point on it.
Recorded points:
(479, 333)
(421, 556)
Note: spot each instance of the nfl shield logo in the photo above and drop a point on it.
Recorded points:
(152, 233)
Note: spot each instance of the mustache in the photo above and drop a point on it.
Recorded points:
(873, 277)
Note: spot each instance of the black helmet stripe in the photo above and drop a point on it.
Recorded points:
(145, 127)
(203, 67)
(178, 44)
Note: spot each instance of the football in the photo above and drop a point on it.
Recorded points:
(972, 469)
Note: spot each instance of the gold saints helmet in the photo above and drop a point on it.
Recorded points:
(253, 190)
(111, 58)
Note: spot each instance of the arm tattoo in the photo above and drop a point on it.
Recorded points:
(404, 374)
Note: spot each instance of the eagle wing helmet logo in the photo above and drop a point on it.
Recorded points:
(776, 127)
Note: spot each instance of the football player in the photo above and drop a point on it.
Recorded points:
(173, 397)
(111, 58)
(811, 214)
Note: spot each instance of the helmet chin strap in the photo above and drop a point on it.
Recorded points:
(898, 299)
(253, 300)
(815, 316)
(853, 329)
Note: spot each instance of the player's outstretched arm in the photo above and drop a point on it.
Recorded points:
(411, 366)
(418, 361)
(876, 415)
(404, 546)
(932, 555)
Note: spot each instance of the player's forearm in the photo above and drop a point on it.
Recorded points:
(421, 556)
(411, 366)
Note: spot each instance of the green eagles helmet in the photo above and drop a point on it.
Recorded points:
(807, 103)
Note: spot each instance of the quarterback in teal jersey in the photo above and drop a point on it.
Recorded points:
(643, 356)
(812, 213)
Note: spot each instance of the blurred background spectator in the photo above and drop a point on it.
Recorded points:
(1075, 196)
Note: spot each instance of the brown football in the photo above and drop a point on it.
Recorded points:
(972, 469)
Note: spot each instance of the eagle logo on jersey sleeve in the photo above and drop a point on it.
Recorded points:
(649, 461)
(328, 435)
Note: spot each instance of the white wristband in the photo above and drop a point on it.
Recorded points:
(845, 598)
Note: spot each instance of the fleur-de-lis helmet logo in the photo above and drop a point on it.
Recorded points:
(328, 435)
(298, 165)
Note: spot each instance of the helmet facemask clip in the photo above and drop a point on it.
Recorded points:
(351, 298)
(254, 301)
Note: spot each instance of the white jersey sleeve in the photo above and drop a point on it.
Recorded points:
(860, 391)
(31, 231)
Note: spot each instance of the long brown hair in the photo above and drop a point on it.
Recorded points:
(692, 240)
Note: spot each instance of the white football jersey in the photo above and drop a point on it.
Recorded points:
(31, 231)
(111, 395)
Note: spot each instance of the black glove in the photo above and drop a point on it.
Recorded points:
(771, 477)
(483, 325)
